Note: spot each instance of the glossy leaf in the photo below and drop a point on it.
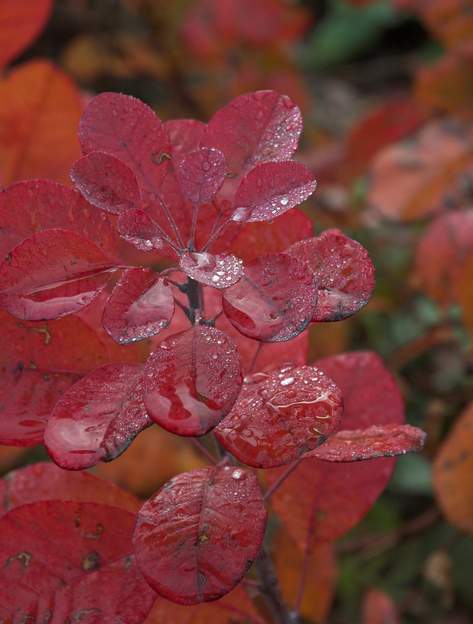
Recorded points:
(97, 418)
(369, 443)
(192, 380)
(219, 271)
(138, 229)
(279, 416)
(327, 499)
(51, 274)
(140, 306)
(271, 189)
(45, 481)
(343, 271)
(106, 182)
(38, 581)
(39, 111)
(34, 205)
(274, 300)
(453, 473)
(184, 134)
(221, 518)
(20, 24)
(201, 173)
(254, 128)
(27, 398)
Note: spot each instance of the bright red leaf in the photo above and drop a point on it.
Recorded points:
(51, 274)
(140, 306)
(343, 270)
(221, 520)
(184, 134)
(45, 482)
(279, 416)
(106, 182)
(219, 271)
(192, 380)
(27, 398)
(139, 229)
(97, 418)
(200, 174)
(274, 300)
(85, 547)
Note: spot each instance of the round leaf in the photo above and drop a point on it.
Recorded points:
(219, 271)
(200, 174)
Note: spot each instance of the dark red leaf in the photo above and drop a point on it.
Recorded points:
(254, 128)
(278, 416)
(184, 134)
(218, 271)
(343, 271)
(138, 229)
(106, 182)
(274, 300)
(221, 520)
(375, 441)
(81, 566)
(33, 205)
(200, 174)
(51, 274)
(271, 189)
(192, 380)
(327, 499)
(140, 306)
(27, 398)
(97, 418)
(45, 481)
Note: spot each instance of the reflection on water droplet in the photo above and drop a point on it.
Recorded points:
(287, 381)
(237, 474)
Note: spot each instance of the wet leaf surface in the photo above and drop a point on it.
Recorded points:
(200, 174)
(221, 521)
(219, 271)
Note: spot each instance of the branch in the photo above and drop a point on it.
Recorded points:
(271, 591)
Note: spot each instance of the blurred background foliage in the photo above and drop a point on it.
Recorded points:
(386, 88)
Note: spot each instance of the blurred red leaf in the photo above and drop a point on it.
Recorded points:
(378, 608)
(20, 23)
(222, 520)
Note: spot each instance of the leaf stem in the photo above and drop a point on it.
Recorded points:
(203, 449)
(270, 590)
(280, 480)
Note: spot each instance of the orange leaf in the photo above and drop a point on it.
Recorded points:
(39, 114)
(378, 608)
(453, 473)
(20, 22)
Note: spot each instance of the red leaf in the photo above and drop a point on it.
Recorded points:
(45, 481)
(375, 441)
(184, 134)
(84, 548)
(27, 398)
(222, 519)
(200, 174)
(274, 300)
(106, 182)
(33, 205)
(51, 274)
(140, 306)
(271, 189)
(378, 608)
(279, 416)
(20, 24)
(254, 128)
(218, 271)
(256, 239)
(324, 499)
(40, 108)
(192, 380)
(138, 229)
(98, 418)
(343, 270)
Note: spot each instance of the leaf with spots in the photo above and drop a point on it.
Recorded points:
(139, 229)
(200, 174)
(27, 398)
(192, 380)
(219, 271)
(221, 518)
(343, 271)
(106, 182)
(140, 306)
(271, 189)
(281, 415)
(323, 500)
(45, 482)
(97, 418)
(274, 300)
(84, 547)
(51, 274)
